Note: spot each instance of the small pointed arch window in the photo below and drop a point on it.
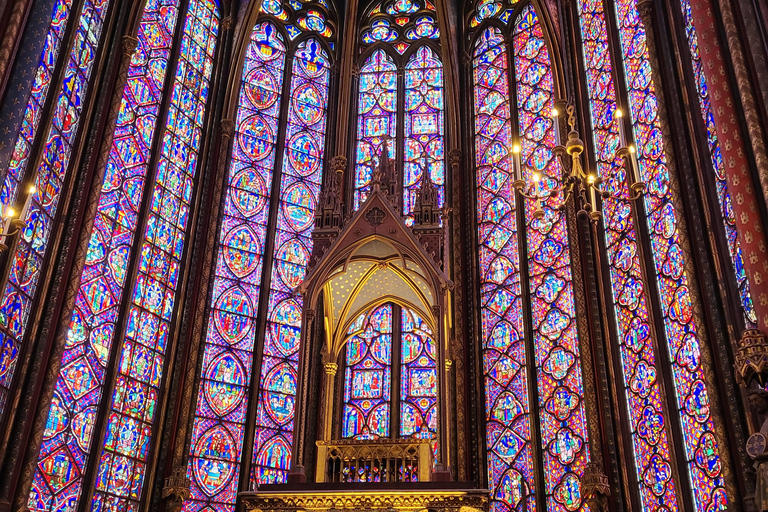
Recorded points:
(273, 180)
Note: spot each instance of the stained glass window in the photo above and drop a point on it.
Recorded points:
(368, 376)
(424, 144)
(376, 117)
(222, 405)
(506, 391)
(49, 172)
(384, 104)
(721, 185)
(650, 437)
(555, 359)
(299, 188)
(418, 378)
(68, 437)
(261, 162)
(701, 449)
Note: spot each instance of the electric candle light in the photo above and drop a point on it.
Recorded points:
(592, 192)
(516, 165)
(622, 135)
(28, 202)
(556, 122)
(634, 164)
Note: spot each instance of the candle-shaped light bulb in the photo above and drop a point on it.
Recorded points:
(592, 191)
(622, 134)
(556, 122)
(10, 213)
(516, 164)
(634, 164)
(537, 179)
(28, 201)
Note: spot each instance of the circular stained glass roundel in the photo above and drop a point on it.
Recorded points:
(249, 192)
(308, 103)
(255, 138)
(304, 153)
(285, 326)
(241, 251)
(292, 258)
(299, 206)
(260, 88)
(214, 456)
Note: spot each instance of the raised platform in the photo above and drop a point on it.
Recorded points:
(375, 496)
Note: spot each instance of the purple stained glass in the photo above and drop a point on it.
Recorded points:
(650, 433)
(376, 117)
(683, 343)
(418, 378)
(367, 376)
(721, 184)
(69, 431)
(50, 171)
(508, 430)
(78, 393)
(562, 417)
(219, 424)
(424, 126)
(299, 188)
(124, 456)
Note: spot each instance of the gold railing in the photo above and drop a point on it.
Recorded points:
(379, 460)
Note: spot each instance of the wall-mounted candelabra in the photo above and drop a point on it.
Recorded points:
(585, 185)
(13, 223)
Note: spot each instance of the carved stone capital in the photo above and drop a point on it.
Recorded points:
(176, 490)
(752, 357)
(331, 368)
(226, 23)
(645, 9)
(128, 45)
(454, 157)
(339, 163)
(227, 128)
(309, 314)
(595, 488)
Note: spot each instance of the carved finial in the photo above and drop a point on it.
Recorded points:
(752, 358)
(595, 488)
(176, 489)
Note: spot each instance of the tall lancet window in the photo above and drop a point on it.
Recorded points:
(152, 202)
(682, 415)
(727, 214)
(49, 171)
(400, 97)
(535, 423)
(264, 245)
